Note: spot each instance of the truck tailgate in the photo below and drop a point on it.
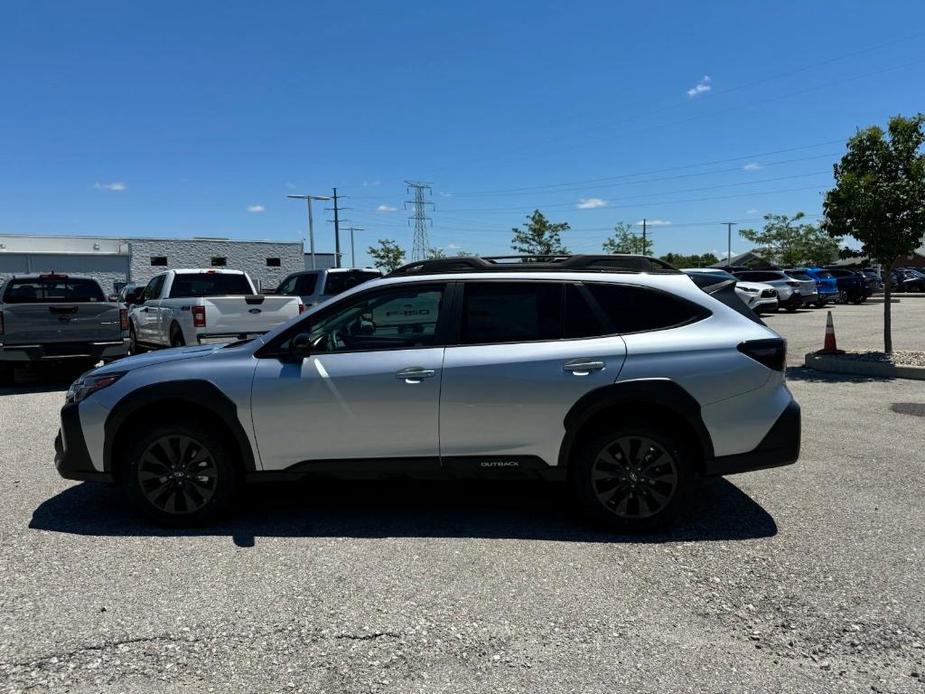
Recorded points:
(231, 315)
(41, 323)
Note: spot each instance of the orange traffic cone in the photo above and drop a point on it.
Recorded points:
(829, 346)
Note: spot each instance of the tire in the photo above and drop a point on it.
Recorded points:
(133, 347)
(6, 375)
(858, 300)
(791, 308)
(176, 336)
(637, 497)
(178, 474)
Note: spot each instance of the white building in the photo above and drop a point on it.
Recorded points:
(113, 261)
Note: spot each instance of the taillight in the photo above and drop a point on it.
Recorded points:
(301, 308)
(199, 316)
(123, 319)
(772, 353)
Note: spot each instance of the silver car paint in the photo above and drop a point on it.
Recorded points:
(317, 410)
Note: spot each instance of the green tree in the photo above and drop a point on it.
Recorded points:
(387, 256)
(435, 253)
(626, 241)
(879, 198)
(787, 241)
(539, 236)
(679, 260)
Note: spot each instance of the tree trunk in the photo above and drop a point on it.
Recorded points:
(887, 315)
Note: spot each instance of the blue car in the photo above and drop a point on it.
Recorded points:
(826, 284)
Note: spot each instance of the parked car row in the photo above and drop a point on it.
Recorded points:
(806, 286)
(52, 318)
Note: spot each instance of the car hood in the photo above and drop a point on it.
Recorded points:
(159, 357)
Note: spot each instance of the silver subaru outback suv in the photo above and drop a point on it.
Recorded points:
(618, 374)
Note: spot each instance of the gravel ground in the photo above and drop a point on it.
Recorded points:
(896, 357)
(804, 578)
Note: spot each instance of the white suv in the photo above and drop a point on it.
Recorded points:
(615, 372)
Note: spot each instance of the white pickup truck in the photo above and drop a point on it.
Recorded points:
(190, 307)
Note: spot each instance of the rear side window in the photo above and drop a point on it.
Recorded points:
(209, 284)
(298, 285)
(802, 276)
(638, 309)
(581, 320)
(496, 312)
(50, 289)
(338, 282)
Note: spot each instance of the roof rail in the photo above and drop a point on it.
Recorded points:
(537, 263)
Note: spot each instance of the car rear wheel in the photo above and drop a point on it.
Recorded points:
(6, 374)
(176, 336)
(633, 479)
(179, 475)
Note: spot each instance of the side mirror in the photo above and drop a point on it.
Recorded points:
(300, 346)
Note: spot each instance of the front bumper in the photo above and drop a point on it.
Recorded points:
(109, 349)
(72, 459)
(780, 446)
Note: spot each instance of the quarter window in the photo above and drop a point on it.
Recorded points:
(496, 312)
(637, 309)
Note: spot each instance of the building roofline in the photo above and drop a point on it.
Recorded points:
(129, 239)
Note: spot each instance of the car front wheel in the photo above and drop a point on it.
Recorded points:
(632, 480)
(179, 475)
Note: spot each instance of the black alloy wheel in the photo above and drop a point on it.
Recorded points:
(634, 479)
(177, 474)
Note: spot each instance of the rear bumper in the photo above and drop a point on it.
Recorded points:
(72, 459)
(780, 446)
(109, 349)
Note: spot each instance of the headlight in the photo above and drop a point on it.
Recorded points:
(88, 384)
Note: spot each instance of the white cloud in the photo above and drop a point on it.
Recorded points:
(591, 203)
(115, 186)
(255, 208)
(371, 184)
(751, 211)
(702, 87)
(453, 246)
(386, 209)
(655, 223)
(290, 186)
(444, 194)
(752, 166)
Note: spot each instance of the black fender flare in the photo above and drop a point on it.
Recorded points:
(658, 392)
(197, 393)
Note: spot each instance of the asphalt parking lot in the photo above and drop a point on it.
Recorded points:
(805, 578)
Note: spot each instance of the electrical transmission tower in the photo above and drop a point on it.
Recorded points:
(420, 245)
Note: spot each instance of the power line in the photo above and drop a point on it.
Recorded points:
(419, 219)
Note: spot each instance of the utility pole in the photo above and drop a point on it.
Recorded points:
(311, 226)
(729, 226)
(337, 210)
(643, 235)
(419, 242)
(353, 261)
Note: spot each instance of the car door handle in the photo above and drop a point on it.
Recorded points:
(582, 367)
(415, 374)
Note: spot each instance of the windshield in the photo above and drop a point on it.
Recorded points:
(210, 284)
(52, 288)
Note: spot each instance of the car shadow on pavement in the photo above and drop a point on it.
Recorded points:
(408, 508)
(802, 373)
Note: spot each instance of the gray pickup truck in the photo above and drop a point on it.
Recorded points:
(52, 317)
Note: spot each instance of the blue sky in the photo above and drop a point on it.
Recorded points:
(197, 118)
